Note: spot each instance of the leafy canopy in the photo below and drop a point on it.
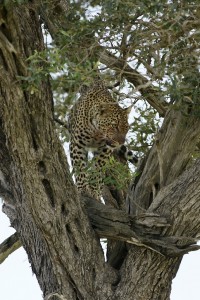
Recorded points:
(159, 40)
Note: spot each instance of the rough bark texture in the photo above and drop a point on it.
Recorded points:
(43, 205)
(44, 208)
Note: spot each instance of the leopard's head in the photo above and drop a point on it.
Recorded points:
(111, 123)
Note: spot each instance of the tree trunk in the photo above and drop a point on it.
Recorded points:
(42, 202)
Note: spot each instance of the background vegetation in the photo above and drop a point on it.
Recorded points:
(142, 50)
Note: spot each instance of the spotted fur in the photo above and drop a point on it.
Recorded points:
(96, 123)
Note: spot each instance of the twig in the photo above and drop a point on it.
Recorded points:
(61, 122)
(9, 246)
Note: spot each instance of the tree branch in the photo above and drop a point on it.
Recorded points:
(9, 246)
(177, 139)
(143, 230)
(150, 93)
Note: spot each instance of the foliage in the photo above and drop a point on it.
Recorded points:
(158, 39)
(116, 174)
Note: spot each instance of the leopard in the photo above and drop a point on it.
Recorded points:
(96, 124)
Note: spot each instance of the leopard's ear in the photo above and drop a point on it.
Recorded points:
(128, 109)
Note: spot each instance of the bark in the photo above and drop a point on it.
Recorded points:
(179, 202)
(49, 217)
(43, 205)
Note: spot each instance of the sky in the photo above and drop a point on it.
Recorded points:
(17, 281)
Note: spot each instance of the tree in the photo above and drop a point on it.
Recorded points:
(153, 48)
